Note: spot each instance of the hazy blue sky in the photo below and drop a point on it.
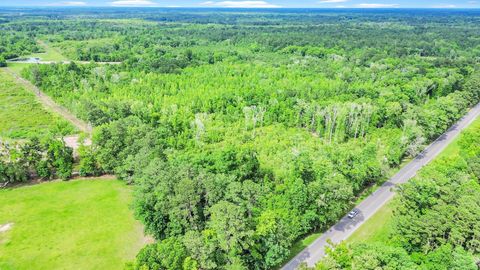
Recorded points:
(254, 3)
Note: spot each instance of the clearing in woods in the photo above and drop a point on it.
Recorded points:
(80, 224)
(50, 53)
(50, 104)
(21, 115)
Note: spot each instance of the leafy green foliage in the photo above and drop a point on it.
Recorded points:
(3, 62)
(244, 131)
(88, 165)
(169, 254)
(22, 116)
(14, 44)
(46, 159)
(435, 220)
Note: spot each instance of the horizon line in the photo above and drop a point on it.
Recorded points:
(205, 7)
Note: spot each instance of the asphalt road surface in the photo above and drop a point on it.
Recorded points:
(345, 227)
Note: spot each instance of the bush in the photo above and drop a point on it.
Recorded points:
(3, 63)
(169, 254)
(61, 158)
(47, 159)
(88, 163)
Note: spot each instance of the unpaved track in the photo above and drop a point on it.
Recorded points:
(50, 104)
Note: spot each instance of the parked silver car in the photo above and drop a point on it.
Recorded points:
(353, 213)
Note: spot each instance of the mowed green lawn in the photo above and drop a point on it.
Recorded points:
(21, 115)
(81, 224)
(378, 228)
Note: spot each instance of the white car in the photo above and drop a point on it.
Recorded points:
(353, 213)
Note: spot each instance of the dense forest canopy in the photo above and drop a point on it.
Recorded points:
(244, 130)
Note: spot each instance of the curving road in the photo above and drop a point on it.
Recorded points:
(345, 227)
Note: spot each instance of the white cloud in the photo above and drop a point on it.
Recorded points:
(372, 5)
(239, 4)
(70, 4)
(472, 2)
(445, 6)
(133, 3)
(332, 1)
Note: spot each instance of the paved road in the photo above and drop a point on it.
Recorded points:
(345, 227)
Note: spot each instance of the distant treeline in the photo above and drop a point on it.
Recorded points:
(242, 136)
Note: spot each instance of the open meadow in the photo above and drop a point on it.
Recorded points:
(47, 53)
(82, 224)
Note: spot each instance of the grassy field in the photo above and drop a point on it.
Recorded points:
(17, 67)
(453, 148)
(21, 115)
(379, 226)
(50, 54)
(375, 229)
(83, 224)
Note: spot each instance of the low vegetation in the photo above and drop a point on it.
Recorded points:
(43, 159)
(22, 116)
(244, 131)
(84, 224)
(14, 43)
(47, 53)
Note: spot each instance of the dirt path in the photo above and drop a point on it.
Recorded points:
(50, 104)
(73, 141)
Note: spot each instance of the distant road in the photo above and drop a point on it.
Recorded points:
(40, 62)
(345, 227)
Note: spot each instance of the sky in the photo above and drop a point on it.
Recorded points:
(252, 3)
